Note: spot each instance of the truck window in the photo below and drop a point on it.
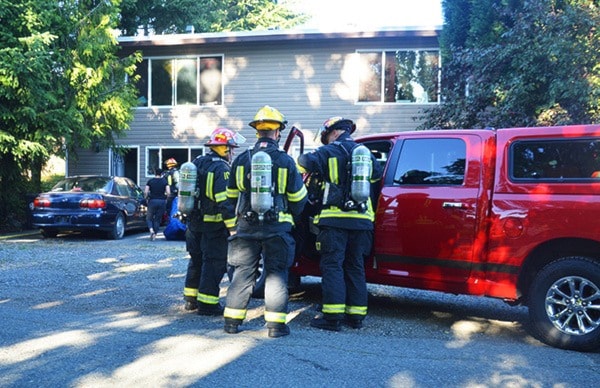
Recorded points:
(555, 160)
(380, 149)
(431, 162)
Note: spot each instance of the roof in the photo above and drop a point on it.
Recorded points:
(274, 35)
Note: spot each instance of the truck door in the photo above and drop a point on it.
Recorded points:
(425, 225)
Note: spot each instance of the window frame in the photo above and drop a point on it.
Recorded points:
(560, 167)
(163, 154)
(429, 177)
(383, 77)
(147, 80)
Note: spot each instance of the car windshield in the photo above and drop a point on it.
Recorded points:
(89, 184)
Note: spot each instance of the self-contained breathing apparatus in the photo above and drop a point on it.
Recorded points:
(265, 204)
(355, 194)
(188, 175)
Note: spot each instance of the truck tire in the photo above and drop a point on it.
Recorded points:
(564, 304)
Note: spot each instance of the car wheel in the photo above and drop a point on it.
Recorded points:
(564, 304)
(48, 233)
(118, 230)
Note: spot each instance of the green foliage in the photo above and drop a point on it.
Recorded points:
(170, 17)
(49, 181)
(513, 63)
(62, 86)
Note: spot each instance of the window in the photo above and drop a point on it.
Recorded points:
(180, 81)
(156, 157)
(555, 160)
(401, 76)
(431, 162)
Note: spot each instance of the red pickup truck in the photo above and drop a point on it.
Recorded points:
(505, 213)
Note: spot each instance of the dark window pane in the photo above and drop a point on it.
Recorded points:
(553, 160)
(187, 76)
(162, 87)
(370, 77)
(210, 80)
(431, 162)
(142, 84)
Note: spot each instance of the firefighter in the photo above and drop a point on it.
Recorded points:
(345, 224)
(209, 223)
(269, 193)
(172, 177)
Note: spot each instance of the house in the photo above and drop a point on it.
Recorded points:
(194, 83)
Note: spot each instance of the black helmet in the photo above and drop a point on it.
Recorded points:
(334, 123)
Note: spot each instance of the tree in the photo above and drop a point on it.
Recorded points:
(519, 63)
(62, 86)
(175, 16)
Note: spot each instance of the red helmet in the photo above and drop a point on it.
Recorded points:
(224, 136)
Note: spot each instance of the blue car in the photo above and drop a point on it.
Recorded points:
(112, 205)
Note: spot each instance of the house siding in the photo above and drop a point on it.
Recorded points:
(307, 79)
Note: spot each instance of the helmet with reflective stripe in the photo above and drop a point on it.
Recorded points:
(223, 139)
(224, 136)
(268, 119)
(333, 123)
(171, 162)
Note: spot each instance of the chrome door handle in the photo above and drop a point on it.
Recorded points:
(453, 205)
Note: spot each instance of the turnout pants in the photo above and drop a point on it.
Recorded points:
(194, 269)
(243, 256)
(214, 265)
(343, 255)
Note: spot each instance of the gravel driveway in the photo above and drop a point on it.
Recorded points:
(81, 311)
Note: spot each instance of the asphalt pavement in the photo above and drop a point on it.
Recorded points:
(81, 311)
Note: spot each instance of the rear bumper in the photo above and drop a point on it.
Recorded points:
(97, 221)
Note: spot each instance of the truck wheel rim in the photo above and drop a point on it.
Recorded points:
(573, 305)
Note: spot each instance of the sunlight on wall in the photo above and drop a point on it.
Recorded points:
(167, 361)
(28, 350)
(313, 94)
(304, 69)
(346, 90)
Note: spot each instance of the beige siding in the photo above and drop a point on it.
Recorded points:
(88, 162)
(307, 80)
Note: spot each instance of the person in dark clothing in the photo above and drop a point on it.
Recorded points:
(212, 219)
(172, 177)
(345, 225)
(265, 217)
(156, 192)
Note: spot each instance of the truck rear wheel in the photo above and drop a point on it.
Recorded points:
(564, 304)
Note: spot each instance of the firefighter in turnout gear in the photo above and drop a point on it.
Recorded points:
(262, 230)
(345, 222)
(209, 224)
(172, 177)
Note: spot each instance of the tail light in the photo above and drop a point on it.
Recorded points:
(41, 202)
(92, 203)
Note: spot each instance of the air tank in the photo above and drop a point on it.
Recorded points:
(188, 174)
(261, 198)
(362, 167)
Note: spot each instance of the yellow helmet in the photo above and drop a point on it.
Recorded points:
(171, 162)
(268, 119)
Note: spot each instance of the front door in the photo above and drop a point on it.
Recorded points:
(126, 163)
(426, 218)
